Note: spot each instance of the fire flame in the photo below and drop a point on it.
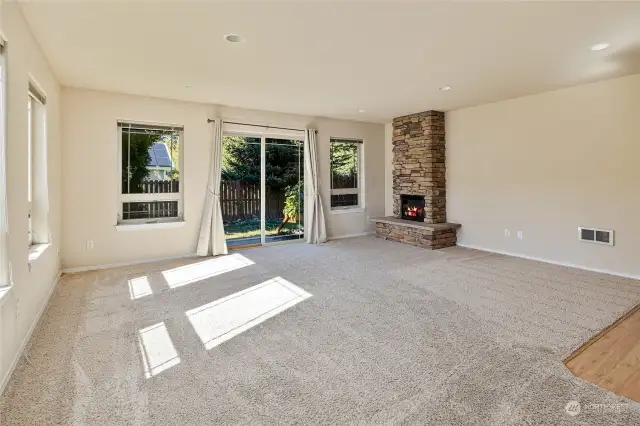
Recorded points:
(413, 211)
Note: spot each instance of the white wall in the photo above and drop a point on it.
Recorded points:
(546, 164)
(90, 179)
(19, 308)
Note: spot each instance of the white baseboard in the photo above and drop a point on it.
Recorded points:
(553, 262)
(23, 345)
(129, 263)
(358, 234)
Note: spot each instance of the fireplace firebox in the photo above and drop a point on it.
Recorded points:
(412, 207)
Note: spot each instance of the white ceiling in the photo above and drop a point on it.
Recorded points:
(333, 58)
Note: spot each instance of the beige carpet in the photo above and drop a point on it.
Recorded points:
(359, 331)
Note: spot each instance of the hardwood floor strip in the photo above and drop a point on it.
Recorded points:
(611, 359)
(598, 336)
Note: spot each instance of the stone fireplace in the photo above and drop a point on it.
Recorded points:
(419, 162)
(419, 177)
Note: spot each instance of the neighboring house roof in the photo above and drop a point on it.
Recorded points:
(159, 155)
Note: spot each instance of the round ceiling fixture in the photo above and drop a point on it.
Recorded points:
(233, 38)
(444, 88)
(599, 46)
(362, 111)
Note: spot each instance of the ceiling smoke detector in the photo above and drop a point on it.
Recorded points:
(233, 38)
(599, 46)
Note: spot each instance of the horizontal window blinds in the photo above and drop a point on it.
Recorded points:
(147, 128)
(342, 140)
(250, 130)
(37, 94)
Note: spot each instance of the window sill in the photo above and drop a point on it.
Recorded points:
(4, 294)
(36, 250)
(347, 210)
(148, 226)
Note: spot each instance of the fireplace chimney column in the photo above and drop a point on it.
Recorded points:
(419, 163)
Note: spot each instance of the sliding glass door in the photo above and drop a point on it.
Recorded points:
(284, 184)
(261, 192)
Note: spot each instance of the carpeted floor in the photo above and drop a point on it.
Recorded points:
(359, 331)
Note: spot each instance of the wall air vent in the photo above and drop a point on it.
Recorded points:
(594, 235)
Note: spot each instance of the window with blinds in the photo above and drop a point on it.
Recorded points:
(346, 173)
(4, 243)
(36, 165)
(150, 178)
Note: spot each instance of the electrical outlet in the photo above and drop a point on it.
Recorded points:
(519, 235)
(89, 244)
(507, 233)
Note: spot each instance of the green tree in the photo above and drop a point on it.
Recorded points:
(241, 161)
(135, 158)
(172, 143)
(344, 165)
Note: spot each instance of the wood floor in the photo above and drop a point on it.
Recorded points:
(611, 359)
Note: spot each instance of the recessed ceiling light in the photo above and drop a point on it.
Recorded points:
(599, 46)
(362, 111)
(233, 38)
(444, 88)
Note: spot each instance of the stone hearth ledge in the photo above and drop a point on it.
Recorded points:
(431, 236)
(392, 220)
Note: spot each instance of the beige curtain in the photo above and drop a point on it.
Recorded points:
(212, 240)
(314, 226)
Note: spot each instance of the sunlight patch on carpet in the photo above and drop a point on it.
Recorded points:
(194, 272)
(139, 287)
(225, 318)
(157, 350)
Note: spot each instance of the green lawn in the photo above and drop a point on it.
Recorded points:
(251, 228)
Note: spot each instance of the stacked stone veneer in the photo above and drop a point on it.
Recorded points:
(426, 238)
(418, 162)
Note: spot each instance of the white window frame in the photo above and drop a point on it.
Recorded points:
(263, 133)
(36, 141)
(5, 279)
(31, 112)
(361, 181)
(172, 196)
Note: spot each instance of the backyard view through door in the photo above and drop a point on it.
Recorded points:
(261, 192)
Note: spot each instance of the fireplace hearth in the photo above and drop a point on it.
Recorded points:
(412, 207)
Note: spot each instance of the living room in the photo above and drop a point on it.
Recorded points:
(319, 212)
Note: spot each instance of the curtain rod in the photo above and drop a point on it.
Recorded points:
(209, 120)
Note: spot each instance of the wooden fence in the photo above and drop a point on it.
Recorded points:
(241, 201)
(158, 186)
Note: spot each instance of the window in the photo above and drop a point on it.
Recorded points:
(151, 186)
(37, 197)
(4, 243)
(346, 173)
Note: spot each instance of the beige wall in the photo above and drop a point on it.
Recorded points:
(19, 308)
(546, 164)
(90, 179)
